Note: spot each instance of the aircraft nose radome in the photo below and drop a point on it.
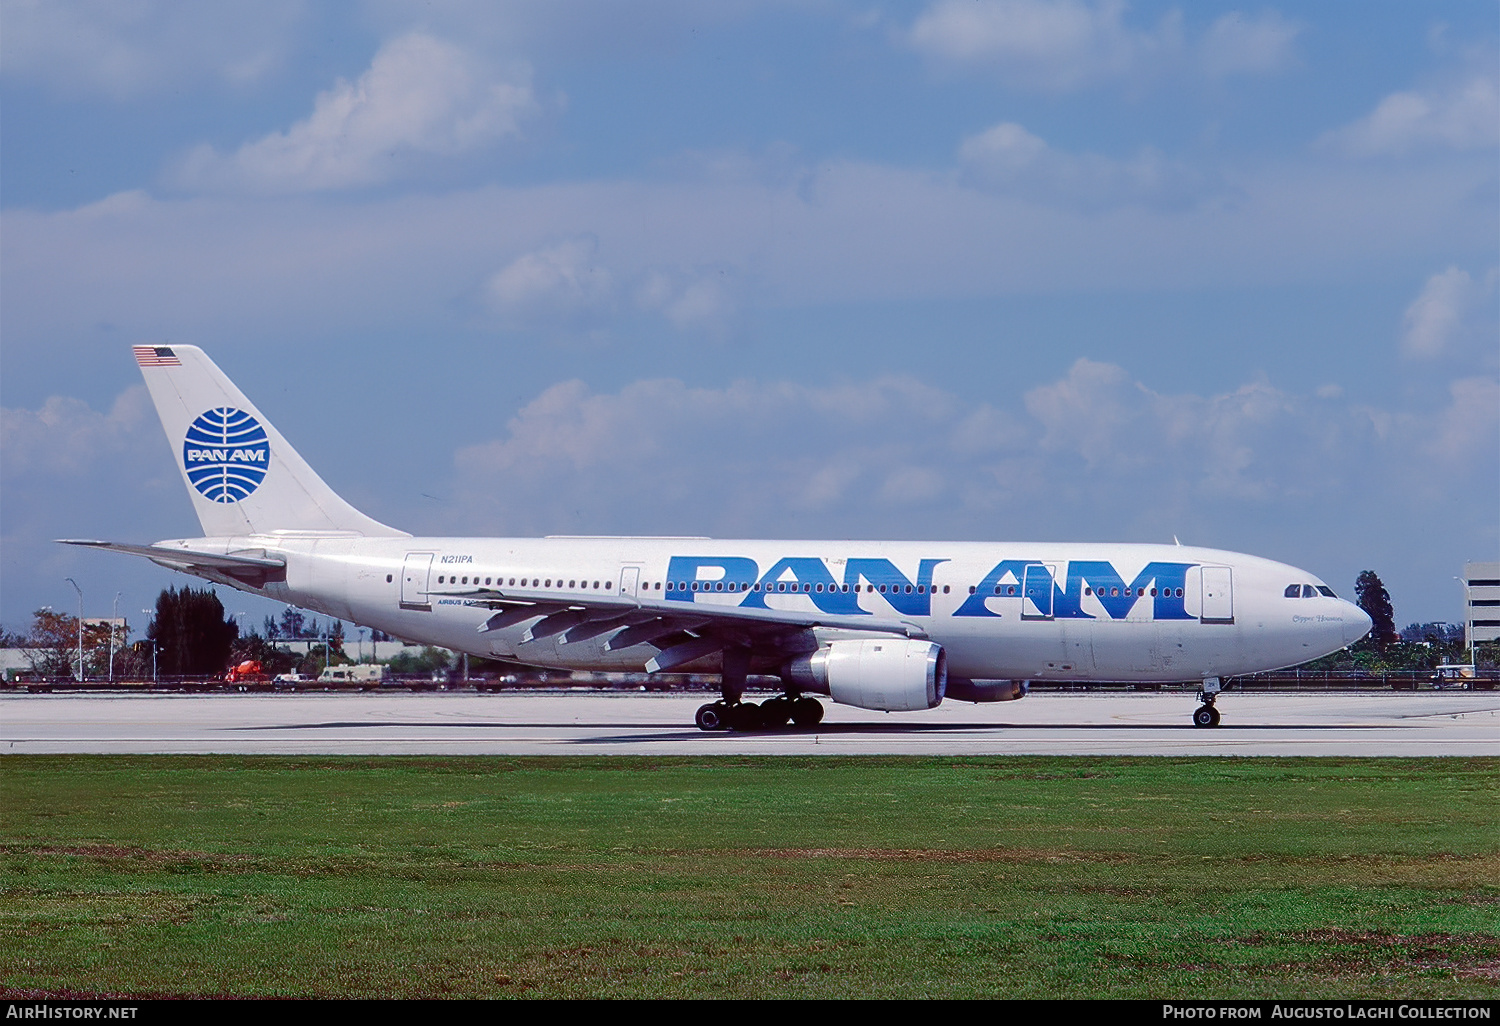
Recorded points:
(1357, 623)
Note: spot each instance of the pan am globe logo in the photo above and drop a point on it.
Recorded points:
(226, 454)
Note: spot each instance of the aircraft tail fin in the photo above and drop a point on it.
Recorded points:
(242, 475)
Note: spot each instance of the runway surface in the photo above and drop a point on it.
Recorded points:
(626, 723)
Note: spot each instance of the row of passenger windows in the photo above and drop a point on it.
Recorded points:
(784, 586)
(779, 586)
(531, 582)
(1308, 591)
(1011, 589)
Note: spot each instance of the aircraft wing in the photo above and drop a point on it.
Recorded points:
(681, 631)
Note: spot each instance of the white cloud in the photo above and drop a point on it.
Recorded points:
(1465, 433)
(862, 454)
(1462, 116)
(1069, 44)
(66, 436)
(1242, 44)
(1450, 309)
(1058, 44)
(701, 302)
(1256, 443)
(560, 282)
(1007, 158)
(567, 286)
(744, 450)
(125, 50)
(421, 97)
(216, 267)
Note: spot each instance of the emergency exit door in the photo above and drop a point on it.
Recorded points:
(416, 574)
(1218, 595)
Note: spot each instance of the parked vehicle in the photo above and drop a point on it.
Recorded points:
(361, 675)
(247, 673)
(1459, 675)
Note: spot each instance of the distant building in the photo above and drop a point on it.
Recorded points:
(1482, 601)
(361, 650)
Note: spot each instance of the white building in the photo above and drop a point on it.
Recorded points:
(360, 650)
(1482, 601)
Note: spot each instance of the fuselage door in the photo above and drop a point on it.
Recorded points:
(630, 582)
(1218, 595)
(1036, 592)
(416, 574)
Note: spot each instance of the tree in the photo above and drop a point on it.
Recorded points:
(192, 636)
(293, 623)
(1376, 602)
(52, 645)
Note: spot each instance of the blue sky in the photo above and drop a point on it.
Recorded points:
(980, 269)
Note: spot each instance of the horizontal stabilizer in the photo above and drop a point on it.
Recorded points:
(253, 570)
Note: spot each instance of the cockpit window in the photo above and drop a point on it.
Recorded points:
(1308, 591)
(1323, 589)
(1293, 590)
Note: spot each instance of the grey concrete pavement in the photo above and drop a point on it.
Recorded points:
(626, 723)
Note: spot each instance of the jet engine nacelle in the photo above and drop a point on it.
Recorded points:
(963, 689)
(888, 674)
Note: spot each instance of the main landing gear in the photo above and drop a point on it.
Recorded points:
(772, 714)
(1206, 715)
(731, 713)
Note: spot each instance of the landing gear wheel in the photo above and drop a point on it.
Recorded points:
(807, 712)
(1206, 716)
(711, 717)
(744, 717)
(775, 712)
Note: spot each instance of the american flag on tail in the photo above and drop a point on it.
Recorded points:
(155, 356)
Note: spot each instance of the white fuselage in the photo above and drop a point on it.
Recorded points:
(1123, 612)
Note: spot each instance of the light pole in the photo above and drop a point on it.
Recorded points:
(80, 626)
(112, 621)
(151, 614)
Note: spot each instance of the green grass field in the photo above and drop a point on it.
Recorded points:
(736, 877)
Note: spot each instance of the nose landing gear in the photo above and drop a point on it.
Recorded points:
(1206, 715)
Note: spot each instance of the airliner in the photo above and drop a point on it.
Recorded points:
(894, 626)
